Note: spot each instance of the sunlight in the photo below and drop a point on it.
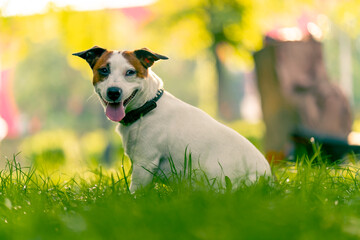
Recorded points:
(3, 129)
(354, 138)
(290, 34)
(25, 7)
(315, 31)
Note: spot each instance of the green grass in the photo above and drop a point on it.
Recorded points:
(306, 201)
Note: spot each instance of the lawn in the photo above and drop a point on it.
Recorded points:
(307, 201)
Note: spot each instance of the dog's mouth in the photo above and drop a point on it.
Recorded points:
(130, 97)
(116, 111)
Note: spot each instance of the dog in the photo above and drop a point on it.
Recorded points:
(156, 126)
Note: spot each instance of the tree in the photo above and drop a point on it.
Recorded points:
(214, 26)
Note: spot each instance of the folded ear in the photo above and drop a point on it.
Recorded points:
(147, 57)
(91, 55)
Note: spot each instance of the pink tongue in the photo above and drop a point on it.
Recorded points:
(115, 111)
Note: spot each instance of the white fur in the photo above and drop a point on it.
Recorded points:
(174, 126)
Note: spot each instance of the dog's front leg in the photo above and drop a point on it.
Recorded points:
(142, 174)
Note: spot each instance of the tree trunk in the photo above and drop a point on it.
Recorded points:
(227, 105)
(296, 94)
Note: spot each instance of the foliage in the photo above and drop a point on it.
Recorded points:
(240, 24)
(215, 26)
(68, 27)
(49, 91)
(306, 202)
(344, 14)
(39, 48)
(52, 149)
(68, 151)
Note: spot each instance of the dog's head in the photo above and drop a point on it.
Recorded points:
(119, 76)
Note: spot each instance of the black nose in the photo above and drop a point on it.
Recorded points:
(114, 93)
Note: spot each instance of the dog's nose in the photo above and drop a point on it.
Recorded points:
(114, 93)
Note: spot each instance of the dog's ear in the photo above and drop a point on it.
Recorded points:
(147, 57)
(91, 55)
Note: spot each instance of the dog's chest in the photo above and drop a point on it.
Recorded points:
(129, 136)
(141, 137)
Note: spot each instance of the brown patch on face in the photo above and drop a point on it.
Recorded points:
(141, 71)
(100, 63)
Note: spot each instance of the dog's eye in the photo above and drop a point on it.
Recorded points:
(130, 72)
(104, 71)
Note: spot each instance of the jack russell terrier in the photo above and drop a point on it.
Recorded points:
(156, 126)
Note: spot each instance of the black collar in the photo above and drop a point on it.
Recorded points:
(136, 114)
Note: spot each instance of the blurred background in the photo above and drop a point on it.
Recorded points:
(49, 114)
